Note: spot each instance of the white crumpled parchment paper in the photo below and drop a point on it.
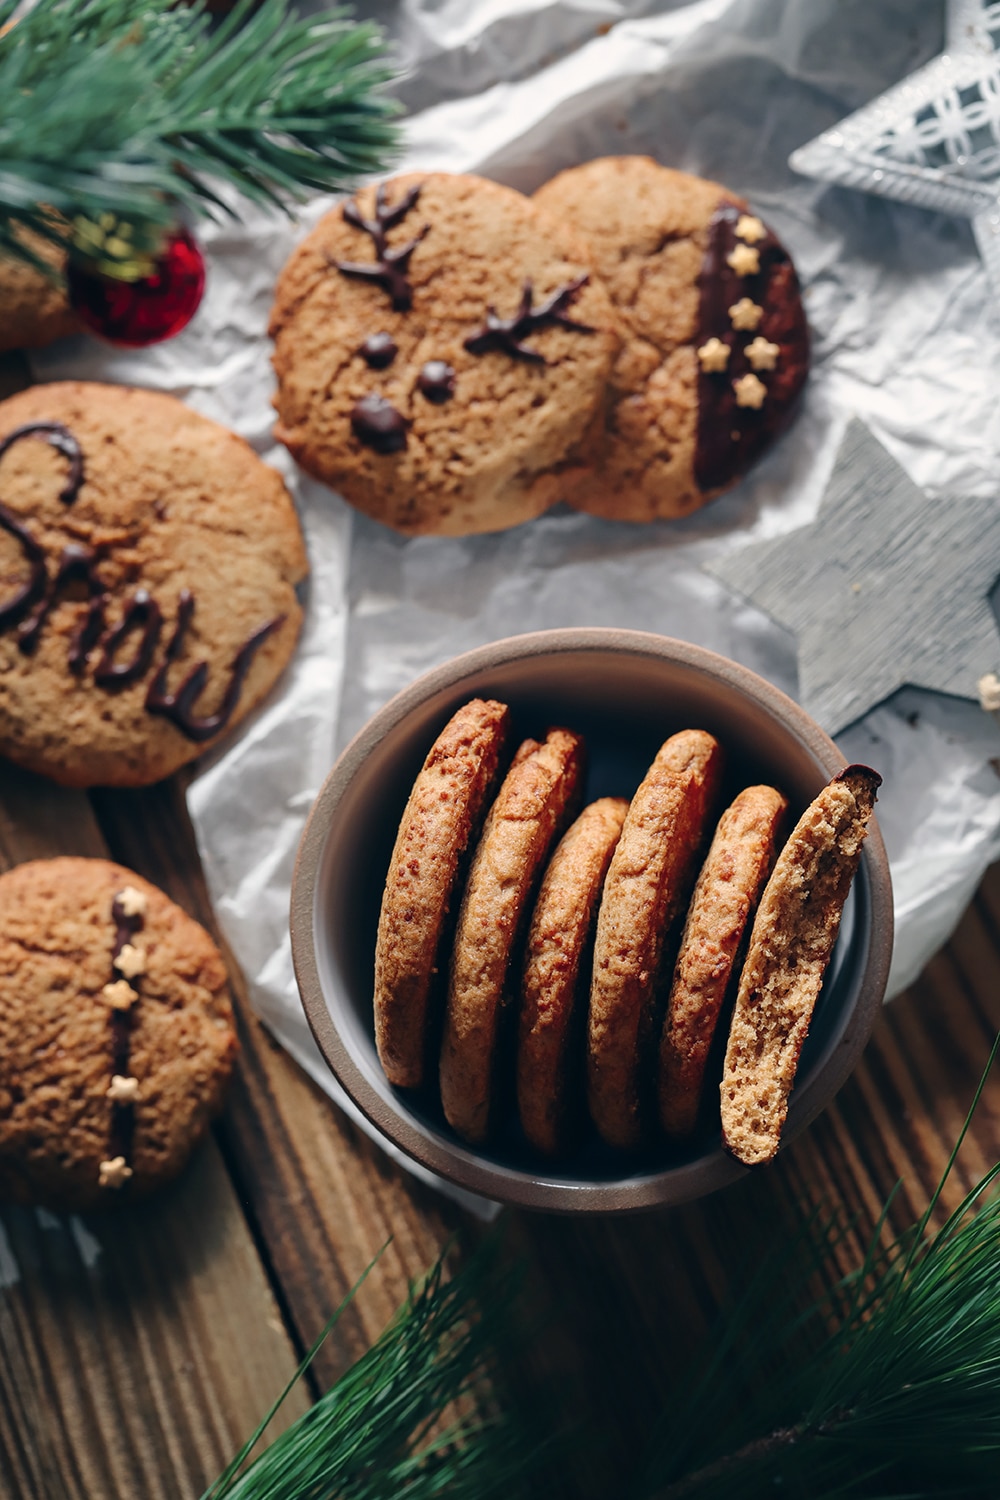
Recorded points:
(904, 337)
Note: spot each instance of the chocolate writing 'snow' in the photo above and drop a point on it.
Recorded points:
(731, 437)
(30, 605)
(32, 590)
(178, 706)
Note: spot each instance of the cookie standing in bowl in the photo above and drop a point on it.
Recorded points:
(439, 354)
(116, 1034)
(715, 344)
(148, 570)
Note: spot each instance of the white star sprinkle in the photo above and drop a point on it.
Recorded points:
(714, 355)
(132, 902)
(762, 354)
(749, 227)
(749, 391)
(745, 315)
(122, 1090)
(114, 1173)
(744, 260)
(131, 961)
(120, 995)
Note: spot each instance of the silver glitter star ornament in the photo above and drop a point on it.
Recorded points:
(934, 139)
(888, 587)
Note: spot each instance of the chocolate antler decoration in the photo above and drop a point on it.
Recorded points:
(509, 334)
(389, 269)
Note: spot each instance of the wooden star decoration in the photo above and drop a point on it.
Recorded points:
(934, 139)
(887, 588)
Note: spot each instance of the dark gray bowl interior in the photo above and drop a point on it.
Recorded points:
(626, 697)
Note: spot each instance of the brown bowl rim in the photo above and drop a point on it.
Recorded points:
(456, 1162)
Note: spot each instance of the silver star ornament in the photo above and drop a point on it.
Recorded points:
(934, 139)
(889, 587)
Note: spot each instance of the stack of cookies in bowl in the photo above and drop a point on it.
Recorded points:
(565, 940)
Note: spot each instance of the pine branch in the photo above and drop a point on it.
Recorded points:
(139, 110)
(898, 1400)
(377, 1432)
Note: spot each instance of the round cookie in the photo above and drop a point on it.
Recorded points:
(551, 1020)
(725, 897)
(791, 944)
(116, 1034)
(33, 309)
(716, 346)
(649, 877)
(441, 817)
(148, 570)
(439, 354)
(532, 805)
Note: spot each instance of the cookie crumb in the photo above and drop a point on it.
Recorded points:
(749, 227)
(750, 391)
(762, 354)
(122, 1090)
(131, 960)
(744, 260)
(114, 1173)
(120, 995)
(132, 902)
(988, 688)
(714, 355)
(745, 315)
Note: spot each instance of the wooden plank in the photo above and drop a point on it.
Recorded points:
(141, 1346)
(295, 1158)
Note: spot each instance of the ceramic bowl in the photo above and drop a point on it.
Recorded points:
(626, 691)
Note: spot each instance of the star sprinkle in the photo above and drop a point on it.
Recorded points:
(120, 995)
(714, 355)
(934, 139)
(122, 1090)
(750, 228)
(130, 960)
(114, 1173)
(750, 391)
(745, 315)
(887, 588)
(132, 902)
(744, 260)
(762, 354)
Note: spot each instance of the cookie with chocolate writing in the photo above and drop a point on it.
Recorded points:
(116, 1034)
(715, 344)
(440, 354)
(148, 570)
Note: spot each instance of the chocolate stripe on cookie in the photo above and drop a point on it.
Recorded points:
(60, 438)
(747, 290)
(127, 960)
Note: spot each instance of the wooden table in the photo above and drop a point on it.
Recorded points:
(138, 1349)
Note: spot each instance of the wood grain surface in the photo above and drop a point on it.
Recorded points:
(137, 1348)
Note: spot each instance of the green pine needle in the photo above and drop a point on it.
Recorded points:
(888, 1388)
(141, 108)
(377, 1432)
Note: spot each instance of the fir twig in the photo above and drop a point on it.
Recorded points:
(378, 1431)
(900, 1400)
(141, 109)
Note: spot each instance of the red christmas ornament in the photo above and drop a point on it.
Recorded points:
(140, 312)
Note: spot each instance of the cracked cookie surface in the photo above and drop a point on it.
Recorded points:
(380, 394)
